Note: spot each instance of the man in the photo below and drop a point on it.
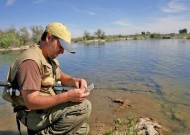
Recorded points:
(34, 73)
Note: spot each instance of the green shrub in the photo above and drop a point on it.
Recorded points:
(8, 40)
(124, 127)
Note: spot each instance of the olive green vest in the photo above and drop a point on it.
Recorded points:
(48, 78)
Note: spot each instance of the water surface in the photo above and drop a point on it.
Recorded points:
(161, 67)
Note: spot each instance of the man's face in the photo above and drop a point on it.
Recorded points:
(54, 48)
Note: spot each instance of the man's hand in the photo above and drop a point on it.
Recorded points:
(81, 84)
(77, 95)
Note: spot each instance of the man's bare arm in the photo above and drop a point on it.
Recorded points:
(34, 101)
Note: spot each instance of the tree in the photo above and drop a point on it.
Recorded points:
(147, 32)
(24, 35)
(9, 38)
(155, 35)
(36, 33)
(183, 31)
(86, 35)
(99, 34)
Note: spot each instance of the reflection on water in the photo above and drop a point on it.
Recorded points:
(161, 67)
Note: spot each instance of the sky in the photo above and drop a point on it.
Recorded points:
(123, 17)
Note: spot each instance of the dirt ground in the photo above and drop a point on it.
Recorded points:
(111, 105)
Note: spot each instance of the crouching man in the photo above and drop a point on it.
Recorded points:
(34, 73)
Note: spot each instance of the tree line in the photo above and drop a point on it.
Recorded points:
(12, 37)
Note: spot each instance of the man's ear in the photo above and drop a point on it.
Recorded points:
(48, 38)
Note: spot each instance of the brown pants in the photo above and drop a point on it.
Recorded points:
(64, 119)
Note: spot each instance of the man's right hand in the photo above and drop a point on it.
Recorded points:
(77, 95)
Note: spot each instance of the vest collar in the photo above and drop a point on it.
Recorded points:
(43, 59)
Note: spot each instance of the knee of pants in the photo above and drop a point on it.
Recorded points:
(88, 107)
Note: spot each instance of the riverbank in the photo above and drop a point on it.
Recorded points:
(130, 37)
(15, 48)
(109, 106)
(112, 39)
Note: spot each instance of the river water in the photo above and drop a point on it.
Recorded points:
(161, 67)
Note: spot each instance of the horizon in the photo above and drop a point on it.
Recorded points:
(113, 17)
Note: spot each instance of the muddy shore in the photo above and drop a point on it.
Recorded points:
(111, 105)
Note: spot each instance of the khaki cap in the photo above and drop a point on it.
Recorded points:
(60, 31)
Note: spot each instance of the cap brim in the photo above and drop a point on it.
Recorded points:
(67, 46)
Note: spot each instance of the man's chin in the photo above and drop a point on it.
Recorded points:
(55, 56)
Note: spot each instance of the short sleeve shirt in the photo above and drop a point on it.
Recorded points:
(28, 76)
